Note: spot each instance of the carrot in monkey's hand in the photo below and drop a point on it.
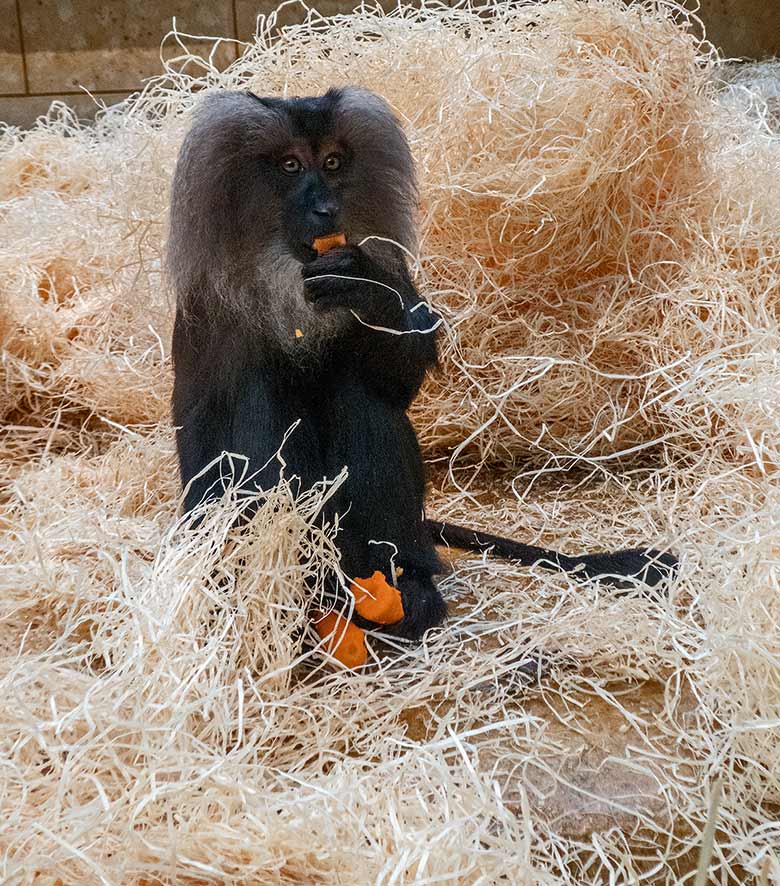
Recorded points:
(376, 600)
(345, 641)
(325, 244)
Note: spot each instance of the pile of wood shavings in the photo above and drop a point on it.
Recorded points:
(602, 235)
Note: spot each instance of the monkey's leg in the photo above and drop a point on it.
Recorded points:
(423, 606)
(381, 503)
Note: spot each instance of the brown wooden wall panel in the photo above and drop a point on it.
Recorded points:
(111, 46)
(11, 61)
(23, 110)
(247, 12)
(743, 28)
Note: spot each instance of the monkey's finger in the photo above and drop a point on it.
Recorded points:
(328, 290)
(344, 268)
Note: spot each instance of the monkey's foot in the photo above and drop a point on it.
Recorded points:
(345, 641)
(377, 601)
(423, 606)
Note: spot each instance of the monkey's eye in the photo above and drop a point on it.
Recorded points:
(291, 165)
(332, 162)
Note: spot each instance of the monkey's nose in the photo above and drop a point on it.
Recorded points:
(325, 210)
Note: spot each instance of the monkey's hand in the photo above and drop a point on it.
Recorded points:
(347, 278)
(384, 301)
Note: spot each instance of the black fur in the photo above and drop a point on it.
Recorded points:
(617, 568)
(246, 278)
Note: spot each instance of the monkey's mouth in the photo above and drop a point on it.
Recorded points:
(323, 245)
(319, 246)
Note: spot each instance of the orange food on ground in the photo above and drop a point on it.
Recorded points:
(325, 244)
(377, 600)
(345, 641)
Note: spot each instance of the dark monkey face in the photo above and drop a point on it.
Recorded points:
(311, 172)
(258, 179)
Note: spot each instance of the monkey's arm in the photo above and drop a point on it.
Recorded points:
(393, 363)
(198, 443)
(238, 407)
(198, 411)
(393, 336)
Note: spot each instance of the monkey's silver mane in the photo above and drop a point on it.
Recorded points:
(227, 255)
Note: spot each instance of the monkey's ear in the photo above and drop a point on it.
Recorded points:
(357, 98)
(258, 98)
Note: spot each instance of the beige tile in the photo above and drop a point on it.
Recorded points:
(11, 73)
(247, 12)
(11, 66)
(112, 46)
(749, 28)
(23, 110)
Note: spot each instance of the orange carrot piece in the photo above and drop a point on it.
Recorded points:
(345, 641)
(376, 600)
(325, 244)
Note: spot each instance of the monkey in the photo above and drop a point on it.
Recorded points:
(273, 341)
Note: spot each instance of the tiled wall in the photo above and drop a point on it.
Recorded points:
(52, 48)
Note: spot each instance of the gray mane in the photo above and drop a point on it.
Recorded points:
(226, 252)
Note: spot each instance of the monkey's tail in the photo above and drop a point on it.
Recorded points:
(454, 536)
(645, 564)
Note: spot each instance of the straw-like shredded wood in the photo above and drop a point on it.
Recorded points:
(600, 227)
